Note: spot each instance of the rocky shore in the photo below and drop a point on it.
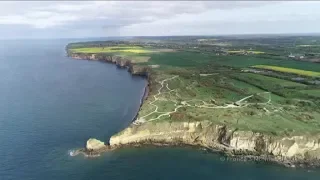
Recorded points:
(295, 151)
(290, 151)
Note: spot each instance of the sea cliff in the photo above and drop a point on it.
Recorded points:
(290, 151)
(119, 61)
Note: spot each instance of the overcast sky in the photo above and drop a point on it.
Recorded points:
(151, 18)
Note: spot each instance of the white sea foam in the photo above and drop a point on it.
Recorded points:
(73, 152)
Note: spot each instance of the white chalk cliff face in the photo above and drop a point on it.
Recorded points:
(213, 136)
(94, 144)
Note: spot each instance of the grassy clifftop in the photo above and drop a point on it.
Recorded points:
(192, 82)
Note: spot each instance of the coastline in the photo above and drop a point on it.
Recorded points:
(120, 63)
(143, 98)
(226, 155)
(132, 135)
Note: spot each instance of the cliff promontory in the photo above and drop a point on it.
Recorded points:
(117, 60)
(191, 100)
(290, 150)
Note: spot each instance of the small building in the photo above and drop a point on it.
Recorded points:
(291, 56)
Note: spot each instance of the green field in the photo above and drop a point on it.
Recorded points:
(312, 92)
(251, 89)
(136, 58)
(194, 84)
(272, 80)
(180, 59)
(248, 61)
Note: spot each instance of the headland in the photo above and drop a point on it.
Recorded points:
(195, 96)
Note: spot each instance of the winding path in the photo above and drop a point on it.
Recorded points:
(238, 104)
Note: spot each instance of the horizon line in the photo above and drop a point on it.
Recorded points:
(216, 35)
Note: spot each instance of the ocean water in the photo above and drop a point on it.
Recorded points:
(51, 104)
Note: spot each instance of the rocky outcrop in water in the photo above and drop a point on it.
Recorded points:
(94, 145)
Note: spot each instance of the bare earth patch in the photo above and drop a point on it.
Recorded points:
(165, 50)
(154, 66)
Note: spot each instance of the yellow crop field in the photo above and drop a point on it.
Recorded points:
(113, 49)
(289, 70)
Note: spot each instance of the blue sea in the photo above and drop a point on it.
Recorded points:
(51, 104)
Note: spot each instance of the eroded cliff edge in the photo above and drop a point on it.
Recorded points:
(295, 150)
(119, 61)
(287, 150)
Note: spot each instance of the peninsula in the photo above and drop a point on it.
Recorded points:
(244, 96)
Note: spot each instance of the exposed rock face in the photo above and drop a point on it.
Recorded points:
(139, 70)
(118, 60)
(94, 145)
(206, 134)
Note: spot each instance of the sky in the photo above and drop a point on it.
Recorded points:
(82, 19)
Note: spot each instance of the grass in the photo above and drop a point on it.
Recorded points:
(247, 87)
(272, 80)
(289, 70)
(113, 49)
(248, 61)
(312, 92)
(251, 89)
(281, 89)
(136, 59)
(180, 59)
(223, 85)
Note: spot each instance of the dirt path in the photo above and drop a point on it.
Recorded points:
(238, 104)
